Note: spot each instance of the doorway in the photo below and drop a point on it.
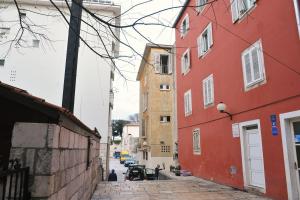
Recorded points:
(290, 129)
(252, 155)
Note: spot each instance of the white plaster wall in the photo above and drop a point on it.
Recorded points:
(40, 71)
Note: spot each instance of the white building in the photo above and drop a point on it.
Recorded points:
(38, 64)
(130, 138)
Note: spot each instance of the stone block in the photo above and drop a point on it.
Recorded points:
(55, 160)
(53, 136)
(63, 178)
(17, 153)
(29, 135)
(62, 194)
(43, 186)
(68, 175)
(75, 196)
(76, 138)
(66, 158)
(62, 160)
(72, 138)
(43, 161)
(30, 157)
(57, 181)
(64, 138)
(53, 197)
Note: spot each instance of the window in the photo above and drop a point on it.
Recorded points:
(185, 26)
(208, 90)
(297, 11)
(13, 74)
(2, 62)
(143, 127)
(165, 148)
(145, 101)
(253, 65)
(4, 32)
(240, 7)
(165, 119)
(205, 40)
(185, 62)
(35, 43)
(164, 87)
(162, 63)
(196, 141)
(200, 5)
(188, 103)
(22, 15)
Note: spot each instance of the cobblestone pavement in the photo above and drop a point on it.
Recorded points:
(181, 188)
(168, 189)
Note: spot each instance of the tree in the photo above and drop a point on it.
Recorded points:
(117, 127)
(134, 117)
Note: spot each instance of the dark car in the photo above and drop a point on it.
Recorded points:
(139, 172)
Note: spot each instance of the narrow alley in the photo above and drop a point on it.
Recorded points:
(186, 188)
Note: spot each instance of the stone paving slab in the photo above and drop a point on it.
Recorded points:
(169, 189)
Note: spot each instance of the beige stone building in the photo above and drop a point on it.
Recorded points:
(156, 106)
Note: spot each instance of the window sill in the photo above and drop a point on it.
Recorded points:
(209, 105)
(202, 56)
(188, 114)
(197, 153)
(255, 84)
(185, 73)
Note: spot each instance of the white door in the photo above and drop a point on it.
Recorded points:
(254, 157)
(295, 130)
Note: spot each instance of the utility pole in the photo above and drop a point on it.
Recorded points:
(72, 56)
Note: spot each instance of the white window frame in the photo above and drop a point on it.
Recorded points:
(183, 32)
(164, 118)
(204, 48)
(187, 103)
(200, 8)
(208, 90)
(196, 141)
(297, 10)
(164, 87)
(185, 66)
(238, 11)
(258, 46)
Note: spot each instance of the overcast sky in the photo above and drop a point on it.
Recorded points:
(126, 100)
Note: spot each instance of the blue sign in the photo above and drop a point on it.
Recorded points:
(273, 118)
(274, 125)
(274, 130)
(297, 138)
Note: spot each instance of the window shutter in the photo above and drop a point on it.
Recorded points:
(182, 65)
(204, 92)
(255, 61)
(185, 103)
(189, 60)
(247, 66)
(211, 90)
(190, 101)
(199, 45)
(187, 23)
(209, 35)
(170, 64)
(234, 10)
(181, 30)
(156, 62)
(197, 4)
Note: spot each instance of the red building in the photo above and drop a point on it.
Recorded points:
(246, 54)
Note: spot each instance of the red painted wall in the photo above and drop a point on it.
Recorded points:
(275, 26)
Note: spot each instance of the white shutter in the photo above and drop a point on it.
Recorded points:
(156, 62)
(170, 63)
(181, 30)
(187, 23)
(255, 64)
(182, 64)
(211, 89)
(204, 92)
(189, 59)
(190, 102)
(209, 35)
(234, 10)
(247, 68)
(199, 45)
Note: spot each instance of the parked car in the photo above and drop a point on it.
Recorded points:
(124, 157)
(128, 162)
(139, 172)
(117, 154)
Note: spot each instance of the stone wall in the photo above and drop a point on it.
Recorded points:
(57, 158)
(104, 156)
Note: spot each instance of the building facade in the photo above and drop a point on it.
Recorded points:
(130, 138)
(238, 94)
(37, 63)
(156, 106)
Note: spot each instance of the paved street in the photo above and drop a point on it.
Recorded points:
(119, 168)
(182, 189)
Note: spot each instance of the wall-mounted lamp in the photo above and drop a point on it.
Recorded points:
(221, 107)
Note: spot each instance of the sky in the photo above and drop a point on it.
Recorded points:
(126, 100)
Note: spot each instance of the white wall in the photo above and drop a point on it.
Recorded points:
(40, 71)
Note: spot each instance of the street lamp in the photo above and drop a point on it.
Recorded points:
(221, 107)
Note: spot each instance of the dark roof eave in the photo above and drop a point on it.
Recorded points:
(180, 13)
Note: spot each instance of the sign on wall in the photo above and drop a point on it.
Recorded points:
(274, 125)
(235, 130)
